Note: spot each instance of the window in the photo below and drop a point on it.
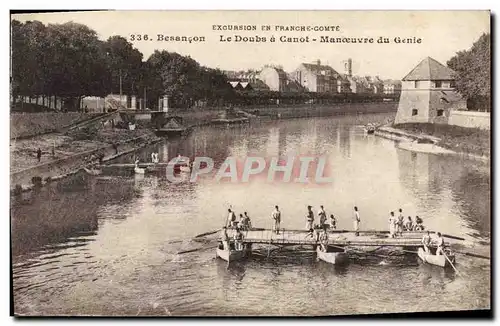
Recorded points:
(438, 84)
(414, 112)
(417, 84)
(440, 112)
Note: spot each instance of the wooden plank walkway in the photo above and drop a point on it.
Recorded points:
(340, 238)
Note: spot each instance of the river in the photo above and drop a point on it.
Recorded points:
(107, 245)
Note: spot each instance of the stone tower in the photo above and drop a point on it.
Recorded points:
(428, 94)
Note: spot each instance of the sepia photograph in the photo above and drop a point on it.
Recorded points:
(250, 163)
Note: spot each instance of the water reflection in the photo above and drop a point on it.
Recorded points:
(445, 185)
(58, 216)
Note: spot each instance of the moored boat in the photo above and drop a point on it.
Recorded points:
(137, 169)
(331, 255)
(438, 260)
(93, 171)
(227, 251)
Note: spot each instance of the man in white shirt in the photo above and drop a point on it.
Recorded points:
(309, 219)
(426, 241)
(357, 220)
(440, 244)
(392, 225)
(276, 215)
(322, 216)
(231, 218)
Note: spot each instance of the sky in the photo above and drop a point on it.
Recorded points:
(442, 34)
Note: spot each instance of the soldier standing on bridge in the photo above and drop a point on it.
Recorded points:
(357, 220)
(276, 215)
(310, 218)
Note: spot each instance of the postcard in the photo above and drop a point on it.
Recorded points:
(250, 163)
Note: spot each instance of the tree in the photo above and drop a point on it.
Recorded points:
(473, 73)
(184, 80)
(122, 58)
(28, 58)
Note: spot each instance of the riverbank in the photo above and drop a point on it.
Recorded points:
(66, 154)
(25, 125)
(205, 116)
(440, 139)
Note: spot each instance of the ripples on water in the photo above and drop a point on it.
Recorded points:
(108, 245)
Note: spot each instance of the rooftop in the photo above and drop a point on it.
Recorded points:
(430, 69)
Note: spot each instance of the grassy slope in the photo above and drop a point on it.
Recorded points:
(460, 139)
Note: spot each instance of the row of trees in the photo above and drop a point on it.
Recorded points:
(68, 61)
(473, 73)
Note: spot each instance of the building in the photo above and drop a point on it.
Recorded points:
(360, 84)
(392, 87)
(428, 94)
(318, 78)
(376, 84)
(275, 78)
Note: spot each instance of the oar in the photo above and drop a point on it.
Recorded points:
(451, 236)
(473, 255)
(207, 233)
(448, 259)
(196, 249)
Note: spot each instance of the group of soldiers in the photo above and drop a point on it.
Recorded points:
(398, 225)
(243, 223)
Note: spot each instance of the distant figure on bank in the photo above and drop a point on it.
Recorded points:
(392, 225)
(440, 244)
(419, 224)
(409, 224)
(309, 218)
(333, 222)
(276, 215)
(400, 222)
(426, 241)
(231, 218)
(357, 220)
(39, 154)
(322, 216)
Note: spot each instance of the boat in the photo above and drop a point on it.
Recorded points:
(173, 128)
(370, 128)
(227, 251)
(438, 260)
(181, 164)
(138, 170)
(331, 255)
(93, 171)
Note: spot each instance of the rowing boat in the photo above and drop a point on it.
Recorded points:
(92, 171)
(438, 260)
(227, 251)
(331, 255)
